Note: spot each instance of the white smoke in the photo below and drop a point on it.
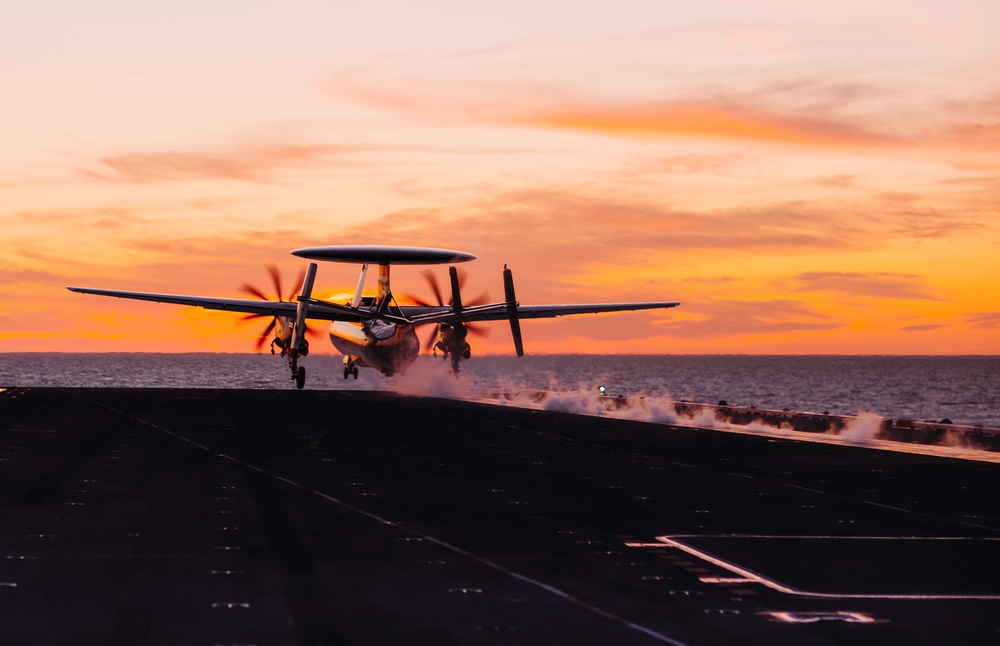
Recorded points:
(705, 418)
(862, 428)
(574, 402)
(430, 379)
(760, 427)
(434, 379)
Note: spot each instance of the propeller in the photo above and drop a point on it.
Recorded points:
(451, 336)
(276, 285)
(275, 274)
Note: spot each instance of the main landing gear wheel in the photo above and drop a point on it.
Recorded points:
(348, 371)
(300, 378)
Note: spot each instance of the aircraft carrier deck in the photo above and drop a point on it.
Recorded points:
(137, 516)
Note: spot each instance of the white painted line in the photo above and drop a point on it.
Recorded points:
(735, 569)
(813, 617)
(754, 577)
(834, 536)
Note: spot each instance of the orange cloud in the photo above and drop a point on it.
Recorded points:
(705, 120)
(792, 109)
(984, 320)
(728, 319)
(12, 277)
(564, 229)
(926, 327)
(248, 164)
(877, 285)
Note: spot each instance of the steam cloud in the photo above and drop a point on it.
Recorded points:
(427, 380)
(430, 380)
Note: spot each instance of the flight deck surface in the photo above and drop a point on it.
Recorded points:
(324, 517)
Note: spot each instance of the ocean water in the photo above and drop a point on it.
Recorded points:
(965, 390)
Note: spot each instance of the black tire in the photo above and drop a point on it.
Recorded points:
(300, 378)
(355, 373)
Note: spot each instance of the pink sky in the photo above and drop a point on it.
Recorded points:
(804, 179)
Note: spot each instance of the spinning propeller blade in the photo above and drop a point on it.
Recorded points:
(259, 343)
(272, 269)
(253, 291)
(481, 299)
(445, 331)
(432, 281)
(275, 275)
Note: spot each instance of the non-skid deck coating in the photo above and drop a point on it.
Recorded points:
(283, 517)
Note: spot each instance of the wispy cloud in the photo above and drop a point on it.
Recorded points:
(607, 92)
(690, 112)
(688, 164)
(20, 276)
(107, 217)
(877, 285)
(553, 219)
(838, 181)
(729, 319)
(705, 119)
(247, 164)
(983, 320)
(926, 327)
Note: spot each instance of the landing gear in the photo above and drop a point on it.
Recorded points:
(452, 344)
(457, 356)
(298, 372)
(350, 367)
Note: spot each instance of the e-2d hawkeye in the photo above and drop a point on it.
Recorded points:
(378, 332)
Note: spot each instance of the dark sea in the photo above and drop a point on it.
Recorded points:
(965, 390)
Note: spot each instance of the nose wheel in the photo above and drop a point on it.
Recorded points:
(300, 378)
(350, 368)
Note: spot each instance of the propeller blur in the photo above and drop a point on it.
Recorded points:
(450, 338)
(280, 325)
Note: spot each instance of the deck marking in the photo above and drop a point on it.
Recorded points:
(380, 519)
(754, 577)
(813, 617)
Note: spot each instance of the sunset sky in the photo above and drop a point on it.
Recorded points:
(805, 178)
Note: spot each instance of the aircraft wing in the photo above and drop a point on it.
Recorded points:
(551, 311)
(334, 312)
(499, 312)
(249, 306)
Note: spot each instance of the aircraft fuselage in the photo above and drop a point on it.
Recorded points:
(387, 347)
